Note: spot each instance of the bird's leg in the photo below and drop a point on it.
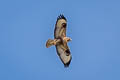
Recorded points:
(66, 39)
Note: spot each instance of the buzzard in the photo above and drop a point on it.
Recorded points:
(60, 41)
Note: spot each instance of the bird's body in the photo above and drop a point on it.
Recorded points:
(60, 41)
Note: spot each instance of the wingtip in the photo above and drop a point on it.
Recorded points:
(61, 16)
(67, 64)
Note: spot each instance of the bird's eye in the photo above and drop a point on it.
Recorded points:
(64, 25)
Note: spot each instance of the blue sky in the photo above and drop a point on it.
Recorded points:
(93, 25)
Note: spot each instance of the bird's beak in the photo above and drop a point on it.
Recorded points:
(70, 39)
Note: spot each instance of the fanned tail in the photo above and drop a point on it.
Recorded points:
(49, 43)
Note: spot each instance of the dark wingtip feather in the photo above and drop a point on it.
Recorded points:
(61, 16)
(67, 64)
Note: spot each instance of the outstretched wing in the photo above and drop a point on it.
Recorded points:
(60, 27)
(62, 48)
(64, 54)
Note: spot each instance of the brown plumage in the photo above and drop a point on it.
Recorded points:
(60, 41)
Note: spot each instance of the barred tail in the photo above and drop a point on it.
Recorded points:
(49, 43)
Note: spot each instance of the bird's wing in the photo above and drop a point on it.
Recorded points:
(62, 48)
(64, 53)
(60, 27)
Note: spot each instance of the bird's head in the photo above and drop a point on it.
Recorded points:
(67, 39)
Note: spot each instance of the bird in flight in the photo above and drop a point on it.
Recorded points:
(60, 41)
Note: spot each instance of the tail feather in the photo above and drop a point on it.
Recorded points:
(49, 43)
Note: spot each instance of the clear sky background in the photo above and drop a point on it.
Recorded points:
(25, 26)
